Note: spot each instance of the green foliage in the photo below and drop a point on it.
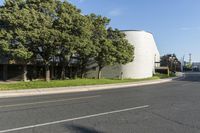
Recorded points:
(124, 51)
(188, 66)
(111, 46)
(99, 39)
(12, 32)
(171, 61)
(51, 29)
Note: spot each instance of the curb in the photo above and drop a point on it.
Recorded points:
(76, 89)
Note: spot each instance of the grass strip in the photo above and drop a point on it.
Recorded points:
(67, 83)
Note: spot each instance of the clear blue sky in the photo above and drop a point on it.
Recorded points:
(174, 23)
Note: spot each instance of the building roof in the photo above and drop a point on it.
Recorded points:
(135, 30)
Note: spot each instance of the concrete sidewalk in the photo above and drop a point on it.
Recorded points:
(60, 90)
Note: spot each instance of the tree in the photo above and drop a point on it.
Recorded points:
(111, 46)
(171, 61)
(49, 29)
(84, 47)
(124, 52)
(75, 35)
(99, 39)
(13, 42)
(43, 37)
(30, 26)
(115, 50)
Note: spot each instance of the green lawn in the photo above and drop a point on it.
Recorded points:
(67, 83)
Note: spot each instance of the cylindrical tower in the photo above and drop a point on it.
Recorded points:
(146, 54)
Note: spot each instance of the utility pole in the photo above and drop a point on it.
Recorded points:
(182, 63)
(190, 58)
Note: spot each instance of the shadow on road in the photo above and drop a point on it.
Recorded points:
(81, 129)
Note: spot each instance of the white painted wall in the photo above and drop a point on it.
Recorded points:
(139, 67)
(146, 54)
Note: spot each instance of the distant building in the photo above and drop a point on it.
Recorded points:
(146, 58)
(196, 66)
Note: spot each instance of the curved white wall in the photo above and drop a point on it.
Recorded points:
(146, 53)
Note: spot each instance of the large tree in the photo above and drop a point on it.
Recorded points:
(75, 31)
(43, 37)
(48, 28)
(99, 38)
(171, 61)
(111, 46)
(84, 47)
(114, 50)
(124, 52)
(13, 44)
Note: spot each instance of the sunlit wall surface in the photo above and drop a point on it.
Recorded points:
(146, 54)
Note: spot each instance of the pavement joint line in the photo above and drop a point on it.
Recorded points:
(73, 119)
(52, 101)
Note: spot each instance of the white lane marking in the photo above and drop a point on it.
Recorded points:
(72, 119)
(52, 101)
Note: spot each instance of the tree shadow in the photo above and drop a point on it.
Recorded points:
(81, 129)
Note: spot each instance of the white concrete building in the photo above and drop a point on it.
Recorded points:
(146, 54)
(143, 66)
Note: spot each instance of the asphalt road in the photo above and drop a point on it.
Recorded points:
(172, 107)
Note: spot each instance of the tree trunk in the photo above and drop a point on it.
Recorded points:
(70, 72)
(82, 71)
(52, 71)
(82, 75)
(122, 76)
(63, 72)
(99, 72)
(5, 72)
(35, 72)
(47, 73)
(25, 73)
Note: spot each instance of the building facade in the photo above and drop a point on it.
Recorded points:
(146, 58)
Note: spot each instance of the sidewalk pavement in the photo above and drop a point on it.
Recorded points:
(75, 89)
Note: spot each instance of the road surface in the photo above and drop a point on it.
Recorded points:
(172, 107)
